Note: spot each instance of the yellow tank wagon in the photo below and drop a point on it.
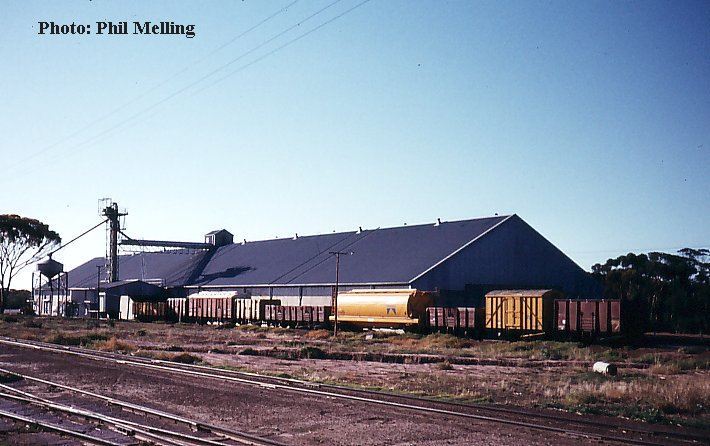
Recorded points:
(383, 308)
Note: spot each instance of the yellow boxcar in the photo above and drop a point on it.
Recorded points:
(383, 308)
(521, 310)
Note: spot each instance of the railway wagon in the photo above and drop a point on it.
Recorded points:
(150, 311)
(462, 321)
(176, 310)
(296, 316)
(384, 308)
(204, 309)
(588, 317)
(516, 312)
(220, 308)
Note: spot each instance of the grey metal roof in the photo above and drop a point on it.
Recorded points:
(134, 288)
(391, 255)
(171, 268)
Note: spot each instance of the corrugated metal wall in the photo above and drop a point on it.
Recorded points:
(513, 255)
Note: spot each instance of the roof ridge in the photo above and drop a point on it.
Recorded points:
(464, 246)
(379, 228)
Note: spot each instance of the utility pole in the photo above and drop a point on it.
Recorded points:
(337, 255)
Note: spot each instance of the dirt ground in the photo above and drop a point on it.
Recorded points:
(287, 417)
(665, 384)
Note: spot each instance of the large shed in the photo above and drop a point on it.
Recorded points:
(461, 259)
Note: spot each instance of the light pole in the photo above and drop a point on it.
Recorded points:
(337, 255)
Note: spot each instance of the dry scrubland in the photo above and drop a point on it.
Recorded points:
(669, 384)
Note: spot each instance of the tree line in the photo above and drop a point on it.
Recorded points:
(660, 291)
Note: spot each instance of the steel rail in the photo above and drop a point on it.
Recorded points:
(291, 383)
(242, 437)
(58, 429)
(522, 412)
(481, 407)
(211, 372)
(320, 393)
(486, 408)
(146, 433)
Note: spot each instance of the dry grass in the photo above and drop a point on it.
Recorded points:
(653, 384)
(115, 345)
(536, 350)
(181, 357)
(318, 334)
(652, 399)
(77, 338)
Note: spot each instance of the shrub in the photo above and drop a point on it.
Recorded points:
(446, 365)
(62, 338)
(692, 349)
(9, 377)
(92, 324)
(249, 352)
(312, 353)
(318, 334)
(437, 340)
(114, 345)
(31, 323)
(186, 358)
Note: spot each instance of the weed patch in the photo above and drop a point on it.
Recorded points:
(312, 353)
(9, 378)
(114, 345)
(446, 365)
(62, 338)
(692, 349)
(318, 334)
(249, 352)
(186, 358)
(31, 323)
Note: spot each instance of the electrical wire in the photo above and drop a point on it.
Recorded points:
(152, 107)
(151, 89)
(287, 44)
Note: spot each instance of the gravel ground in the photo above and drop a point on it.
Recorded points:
(291, 418)
(296, 419)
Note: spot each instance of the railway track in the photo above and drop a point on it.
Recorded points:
(561, 423)
(106, 421)
(94, 427)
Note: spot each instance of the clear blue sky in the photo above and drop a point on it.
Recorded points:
(589, 119)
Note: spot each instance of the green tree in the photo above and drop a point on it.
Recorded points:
(23, 241)
(660, 291)
(18, 299)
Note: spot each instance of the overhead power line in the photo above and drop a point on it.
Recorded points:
(287, 44)
(137, 115)
(149, 90)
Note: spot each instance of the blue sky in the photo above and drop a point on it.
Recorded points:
(590, 120)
